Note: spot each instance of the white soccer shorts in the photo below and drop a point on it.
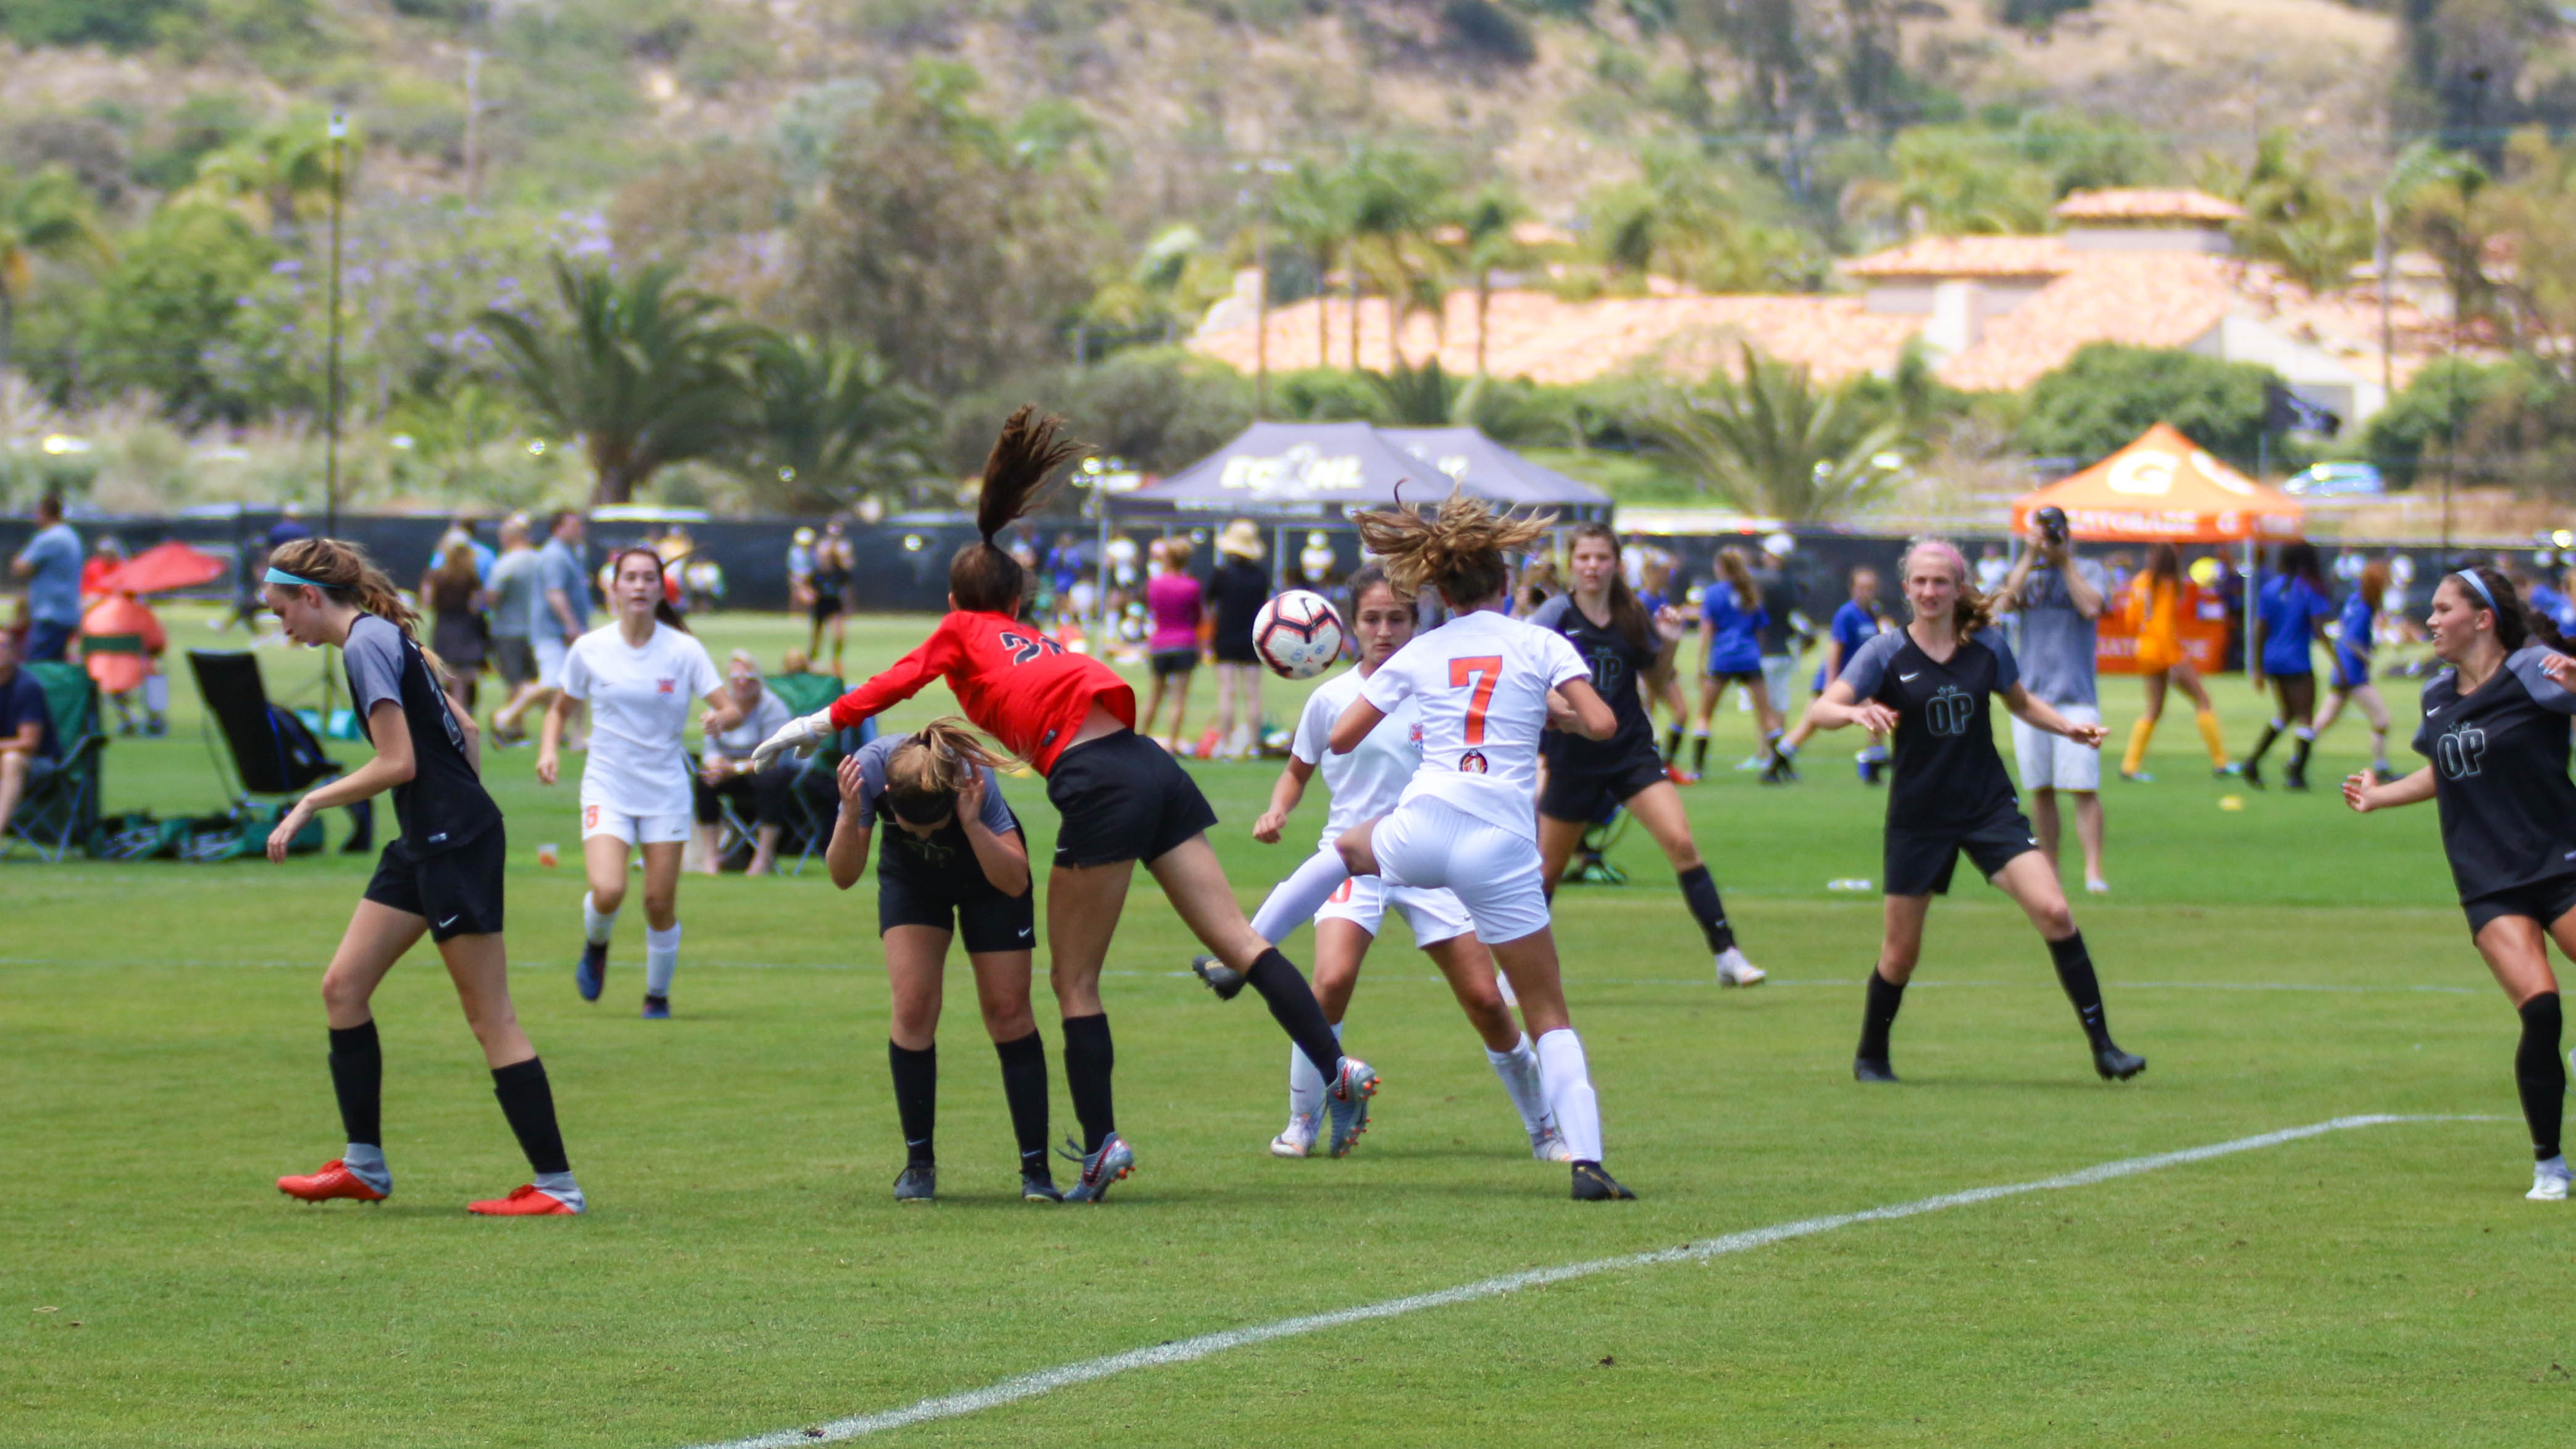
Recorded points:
(635, 829)
(1494, 872)
(1433, 915)
(2054, 762)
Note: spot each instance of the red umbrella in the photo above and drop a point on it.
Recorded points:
(164, 567)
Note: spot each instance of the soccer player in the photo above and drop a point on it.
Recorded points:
(1731, 653)
(1365, 783)
(1122, 797)
(2495, 737)
(1859, 620)
(639, 673)
(440, 876)
(1621, 646)
(955, 862)
(2293, 603)
(1487, 686)
(2355, 633)
(2156, 597)
(1928, 684)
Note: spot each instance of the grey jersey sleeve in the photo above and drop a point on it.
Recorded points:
(374, 654)
(1547, 615)
(2007, 668)
(2525, 664)
(997, 811)
(1868, 666)
(872, 759)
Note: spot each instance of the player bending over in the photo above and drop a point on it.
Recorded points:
(1122, 797)
(1929, 683)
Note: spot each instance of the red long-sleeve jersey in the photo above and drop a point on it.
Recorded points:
(1015, 683)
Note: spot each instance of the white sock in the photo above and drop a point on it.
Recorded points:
(1305, 1084)
(1569, 1092)
(595, 925)
(156, 694)
(1519, 1070)
(561, 1187)
(661, 958)
(1294, 901)
(366, 1163)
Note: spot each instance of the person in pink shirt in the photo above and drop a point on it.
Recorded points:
(1173, 601)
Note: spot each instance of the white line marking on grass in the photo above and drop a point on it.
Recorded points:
(1186, 1350)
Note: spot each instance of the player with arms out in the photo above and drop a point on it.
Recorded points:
(441, 876)
(1486, 686)
(639, 672)
(1122, 798)
(1928, 683)
(1623, 646)
(2494, 735)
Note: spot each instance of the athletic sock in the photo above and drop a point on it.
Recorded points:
(2136, 755)
(2211, 739)
(366, 1162)
(2537, 1071)
(1699, 754)
(1305, 1084)
(1294, 901)
(358, 1080)
(1568, 1080)
(1771, 742)
(595, 923)
(1292, 1003)
(916, 1098)
(1784, 748)
(661, 958)
(1088, 1058)
(2305, 741)
(1024, 1087)
(530, 1105)
(1672, 744)
(1699, 889)
(1522, 1082)
(1878, 1015)
(2075, 973)
(2263, 743)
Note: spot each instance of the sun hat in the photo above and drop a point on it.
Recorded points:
(1242, 538)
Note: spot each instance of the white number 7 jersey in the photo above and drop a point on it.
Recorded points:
(1482, 682)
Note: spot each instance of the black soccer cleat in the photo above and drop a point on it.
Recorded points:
(1222, 979)
(2251, 772)
(1592, 1184)
(2294, 778)
(1780, 771)
(918, 1184)
(591, 976)
(2116, 1065)
(1873, 1069)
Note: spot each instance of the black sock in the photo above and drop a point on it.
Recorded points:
(1700, 890)
(916, 1098)
(2263, 745)
(1024, 1086)
(1699, 754)
(1088, 1058)
(1771, 742)
(2299, 747)
(1879, 1015)
(2537, 1072)
(2075, 973)
(1292, 1002)
(358, 1079)
(530, 1105)
(1672, 744)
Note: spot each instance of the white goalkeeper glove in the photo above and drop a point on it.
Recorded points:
(802, 736)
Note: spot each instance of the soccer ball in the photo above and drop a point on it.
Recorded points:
(1297, 634)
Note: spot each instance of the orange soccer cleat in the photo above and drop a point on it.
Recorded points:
(526, 1201)
(333, 1180)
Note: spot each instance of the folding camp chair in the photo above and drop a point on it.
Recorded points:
(815, 800)
(60, 809)
(271, 751)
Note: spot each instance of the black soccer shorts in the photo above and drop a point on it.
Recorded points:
(1123, 797)
(1920, 862)
(457, 890)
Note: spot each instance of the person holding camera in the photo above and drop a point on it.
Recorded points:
(2055, 600)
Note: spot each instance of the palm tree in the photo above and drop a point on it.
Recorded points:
(272, 177)
(45, 215)
(1417, 397)
(1479, 237)
(2292, 217)
(644, 372)
(830, 424)
(1312, 208)
(1774, 444)
(1395, 197)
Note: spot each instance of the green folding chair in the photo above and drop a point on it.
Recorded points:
(60, 809)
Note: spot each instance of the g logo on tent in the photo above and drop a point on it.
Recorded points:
(2146, 471)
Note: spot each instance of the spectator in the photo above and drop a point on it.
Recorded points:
(461, 530)
(51, 565)
(510, 609)
(1240, 587)
(800, 569)
(1785, 631)
(458, 633)
(121, 647)
(1174, 599)
(562, 615)
(105, 559)
(29, 750)
(725, 772)
(2056, 600)
(1992, 567)
(1315, 563)
(835, 564)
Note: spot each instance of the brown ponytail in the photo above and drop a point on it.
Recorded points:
(1463, 549)
(925, 772)
(983, 577)
(345, 575)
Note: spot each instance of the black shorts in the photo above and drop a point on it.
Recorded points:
(987, 919)
(514, 658)
(825, 606)
(1234, 650)
(1745, 677)
(458, 890)
(1123, 797)
(1919, 862)
(1168, 662)
(2542, 900)
(1589, 793)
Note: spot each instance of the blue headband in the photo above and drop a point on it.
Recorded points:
(2473, 581)
(278, 575)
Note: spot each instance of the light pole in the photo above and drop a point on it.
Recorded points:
(331, 367)
(1267, 169)
(2472, 171)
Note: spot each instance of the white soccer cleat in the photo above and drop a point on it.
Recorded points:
(1548, 1145)
(1299, 1138)
(2549, 1181)
(2097, 886)
(1734, 970)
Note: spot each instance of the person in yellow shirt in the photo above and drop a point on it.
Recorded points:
(2156, 597)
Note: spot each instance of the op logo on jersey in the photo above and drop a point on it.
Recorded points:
(1949, 712)
(1472, 763)
(1608, 671)
(2460, 752)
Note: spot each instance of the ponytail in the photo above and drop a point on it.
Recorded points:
(925, 772)
(1463, 550)
(983, 577)
(345, 575)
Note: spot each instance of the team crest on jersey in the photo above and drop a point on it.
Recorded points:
(1414, 735)
(666, 686)
(1472, 763)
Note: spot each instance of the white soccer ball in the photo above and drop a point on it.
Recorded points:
(1297, 634)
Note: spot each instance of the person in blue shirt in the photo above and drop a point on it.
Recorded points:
(1731, 619)
(1859, 620)
(2355, 630)
(51, 565)
(2293, 602)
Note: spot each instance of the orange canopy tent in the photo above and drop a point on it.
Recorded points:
(2165, 488)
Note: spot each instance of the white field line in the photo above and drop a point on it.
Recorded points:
(1186, 1350)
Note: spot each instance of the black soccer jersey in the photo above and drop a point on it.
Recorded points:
(1947, 773)
(2500, 775)
(1617, 664)
(443, 805)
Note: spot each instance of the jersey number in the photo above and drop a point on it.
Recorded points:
(1023, 648)
(1483, 671)
(2461, 753)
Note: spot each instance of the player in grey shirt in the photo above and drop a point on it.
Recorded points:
(2055, 600)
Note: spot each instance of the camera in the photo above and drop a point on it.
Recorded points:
(2052, 523)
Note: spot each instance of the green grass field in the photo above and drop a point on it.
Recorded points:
(744, 1269)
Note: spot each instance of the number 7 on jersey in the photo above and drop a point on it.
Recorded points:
(1482, 671)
